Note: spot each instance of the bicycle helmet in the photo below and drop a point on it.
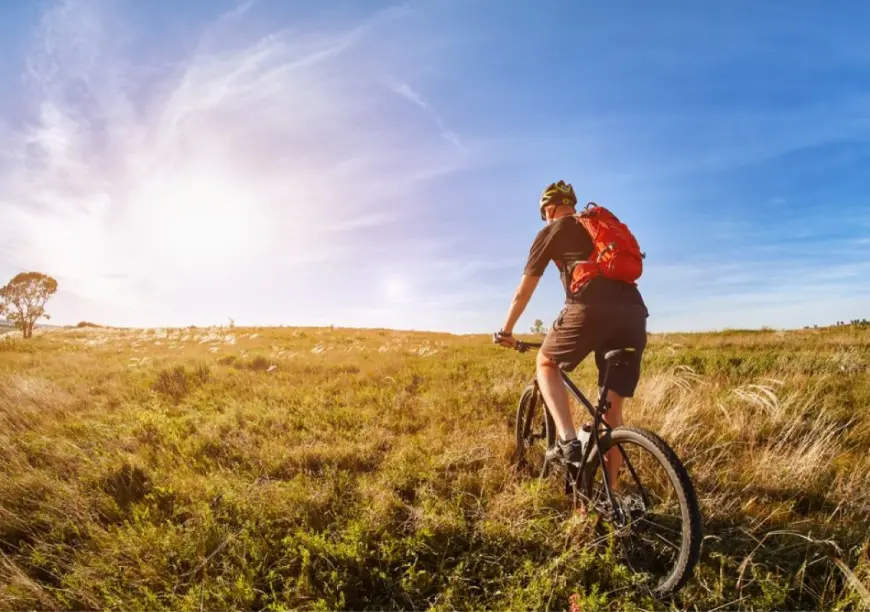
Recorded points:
(556, 194)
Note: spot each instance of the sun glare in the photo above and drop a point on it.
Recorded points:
(202, 222)
(396, 289)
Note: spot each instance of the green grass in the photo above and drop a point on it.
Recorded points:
(343, 469)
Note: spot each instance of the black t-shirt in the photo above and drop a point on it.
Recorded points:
(564, 242)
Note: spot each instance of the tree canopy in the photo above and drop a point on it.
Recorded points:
(22, 299)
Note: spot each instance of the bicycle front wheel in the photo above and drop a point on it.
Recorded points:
(657, 522)
(535, 430)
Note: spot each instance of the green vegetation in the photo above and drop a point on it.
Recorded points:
(340, 469)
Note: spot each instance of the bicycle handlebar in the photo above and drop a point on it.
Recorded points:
(522, 346)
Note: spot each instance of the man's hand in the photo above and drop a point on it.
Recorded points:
(504, 339)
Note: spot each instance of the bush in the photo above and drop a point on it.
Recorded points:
(176, 383)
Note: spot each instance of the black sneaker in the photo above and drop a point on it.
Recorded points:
(571, 451)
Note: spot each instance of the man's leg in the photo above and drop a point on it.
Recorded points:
(570, 339)
(556, 395)
(613, 417)
(623, 379)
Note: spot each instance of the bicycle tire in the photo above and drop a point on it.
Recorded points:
(690, 545)
(530, 408)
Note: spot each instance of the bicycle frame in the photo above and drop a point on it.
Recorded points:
(597, 413)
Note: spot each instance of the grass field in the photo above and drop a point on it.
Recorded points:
(284, 468)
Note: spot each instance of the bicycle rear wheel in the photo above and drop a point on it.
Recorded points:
(658, 521)
(535, 430)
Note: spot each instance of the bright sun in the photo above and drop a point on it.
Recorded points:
(396, 289)
(202, 222)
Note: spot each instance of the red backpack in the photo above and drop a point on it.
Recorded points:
(615, 253)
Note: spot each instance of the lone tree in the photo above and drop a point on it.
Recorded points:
(23, 299)
(538, 328)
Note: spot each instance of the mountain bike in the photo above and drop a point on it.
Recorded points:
(662, 550)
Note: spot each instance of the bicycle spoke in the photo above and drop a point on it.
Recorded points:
(645, 520)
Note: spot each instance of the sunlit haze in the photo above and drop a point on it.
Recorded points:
(375, 164)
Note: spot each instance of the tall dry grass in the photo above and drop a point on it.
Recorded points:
(334, 469)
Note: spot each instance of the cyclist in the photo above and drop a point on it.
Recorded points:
(604, 314)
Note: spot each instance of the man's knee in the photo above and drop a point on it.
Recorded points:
(545, 363)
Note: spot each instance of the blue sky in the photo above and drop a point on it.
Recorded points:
(377, 164)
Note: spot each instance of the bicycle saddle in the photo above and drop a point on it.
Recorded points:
(619, 356)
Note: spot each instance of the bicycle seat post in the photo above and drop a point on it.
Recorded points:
(603, 402)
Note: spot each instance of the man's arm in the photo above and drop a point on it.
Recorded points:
(535, 266)
(523, 294)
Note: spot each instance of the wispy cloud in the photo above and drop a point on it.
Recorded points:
(413, 96)
(135, 187)
(404, 90)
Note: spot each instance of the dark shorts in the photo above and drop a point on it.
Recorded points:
(581, 329)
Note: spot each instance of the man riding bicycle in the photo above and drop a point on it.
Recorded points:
(601, 313)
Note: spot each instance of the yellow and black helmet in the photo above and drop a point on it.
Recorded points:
(557, 193)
